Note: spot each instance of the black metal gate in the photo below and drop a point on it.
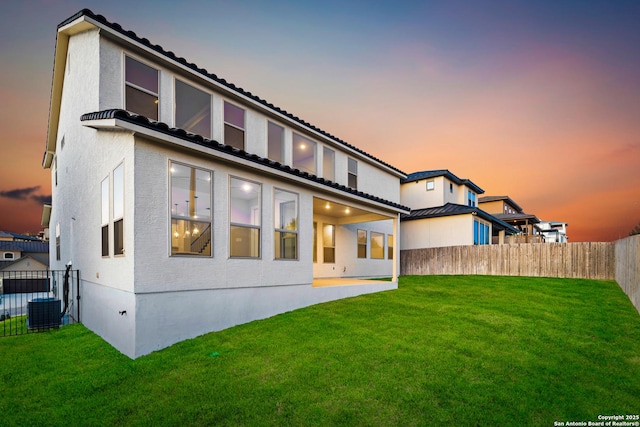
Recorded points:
(32, 301)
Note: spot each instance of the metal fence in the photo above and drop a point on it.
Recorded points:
(33, 301)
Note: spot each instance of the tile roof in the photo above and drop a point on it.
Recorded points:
(171, 56)
(451, 209)
(17, 236)
(417, 176)
(209, 143)
(30, 246)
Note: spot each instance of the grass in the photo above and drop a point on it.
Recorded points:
(464, 350)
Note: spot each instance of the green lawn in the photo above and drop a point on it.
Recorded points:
(441, 350)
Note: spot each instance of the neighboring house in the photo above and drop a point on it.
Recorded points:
(504, 208)
(22, 258)
(444, 212)
(190, 205)
(554, 231)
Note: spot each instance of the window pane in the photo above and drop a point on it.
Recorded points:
(286, 210)
(233, 115)
(245, 241)
(329, 255)
(353, 166)
(275, 143)
(105, 240)
(328, 235)
(431, 185)
(352, 176)
(377, 245)
(286, 245)
(352, 182)
(390, 246)
(141, 75)
(304, 154)
(118, 191)
(105, 201)
(329, 164)
(118, 237)
(190, 192)
(362, 244)
(190, 237)
(315, 242)
(193, 109)
(142, 103)
(234, 137)
(245, 202)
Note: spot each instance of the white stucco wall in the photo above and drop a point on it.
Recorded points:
(437, 232)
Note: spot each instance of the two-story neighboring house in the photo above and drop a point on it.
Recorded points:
(444, 212)
(190, 205)
(504, 208)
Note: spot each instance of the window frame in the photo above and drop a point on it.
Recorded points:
(8, 255)
(271, 125)
(325, 175)
(360, 244)
(175, 108)
(140, 88)
(331, 246)
(105, 210)
(430, 185)
(281, 232)
(390, 246)
(239, 225)
(296, 163)
(195, 219)
(117, 218)
(233, 126)
(352, 173)
(379, 254)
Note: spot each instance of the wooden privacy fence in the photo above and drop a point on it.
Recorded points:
(583, 260)
(618, 261)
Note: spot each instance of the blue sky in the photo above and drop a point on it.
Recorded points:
(538, 100)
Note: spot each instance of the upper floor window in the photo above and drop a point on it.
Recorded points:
(245, 215)
(190, 210)
(431, 185)
(286, 224)
(233, 126)
(471, 198)
(8, 255)
(352, 172)
(328, 164)
(275, 142)
(304, 154)
(450, 187)
(141, 88)
(193, 109)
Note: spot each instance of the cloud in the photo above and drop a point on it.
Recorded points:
(20, 193)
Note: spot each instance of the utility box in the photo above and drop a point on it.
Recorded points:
(43, 313)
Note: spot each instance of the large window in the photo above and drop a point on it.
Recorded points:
(471, 198)
(328, 164)
(190, 210)
(275, 142)
(118, 210)
(193, 109)
(104, 189)
(362, 244)
(377, 245)
(233, 126)
(390, 246)
(352, 178)
(304, 154)
(141, 88)
(286, 224)
(245, 218)
(329, 243)
(480, 233)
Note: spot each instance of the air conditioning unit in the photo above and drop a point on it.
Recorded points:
(43, 313)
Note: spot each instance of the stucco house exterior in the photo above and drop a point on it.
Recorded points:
(506, 209)
(190, 205)
(444, 212)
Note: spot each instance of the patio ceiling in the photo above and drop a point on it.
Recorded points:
(344, 214)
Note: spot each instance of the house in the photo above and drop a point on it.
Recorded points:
(444, 212)
(23, 261)
(190, 205)
(553, 231)
(504, 208)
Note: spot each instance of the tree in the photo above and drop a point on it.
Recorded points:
(635, 230)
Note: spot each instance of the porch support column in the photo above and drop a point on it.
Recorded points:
(396, 247)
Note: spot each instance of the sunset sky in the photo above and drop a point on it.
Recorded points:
(537, 100)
